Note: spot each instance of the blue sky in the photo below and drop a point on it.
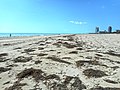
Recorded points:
(58, 16)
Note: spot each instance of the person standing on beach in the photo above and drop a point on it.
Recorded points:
(10, 35)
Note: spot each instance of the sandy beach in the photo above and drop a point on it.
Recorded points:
(60, 62)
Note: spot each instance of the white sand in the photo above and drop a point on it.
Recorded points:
(95, 47)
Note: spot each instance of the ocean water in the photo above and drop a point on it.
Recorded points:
(27, 34)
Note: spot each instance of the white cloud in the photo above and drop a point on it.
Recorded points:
(78, 22)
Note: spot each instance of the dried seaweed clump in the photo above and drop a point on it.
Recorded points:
(104, 88)
(66, 57)
(77, 85)
(113, 53)
(54, 58)
(61, 87)
(70, 38)
(94, 73)
(82, 63)
(37, 74)
(68, 79)
(7, 44)
(110, 81)
(2, 69)
(68, 45)
(99, 55)
(17, 48)
(57, 86)
(88, 57)
(22, 59)
(58, 44)
(40, 48)
(3, 59)
(3, 54)
(42, 54)
(80, 43)
(16, 86)
(79, 48)
(52, 76)
(73, 52)
(37, 62)
(29, 50)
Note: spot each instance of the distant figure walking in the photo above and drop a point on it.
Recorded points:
(10, 35)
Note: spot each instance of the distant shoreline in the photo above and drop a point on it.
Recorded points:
(30, 34)
(19, 35)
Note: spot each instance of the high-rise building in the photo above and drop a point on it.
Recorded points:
(109, 29)
(97, 30)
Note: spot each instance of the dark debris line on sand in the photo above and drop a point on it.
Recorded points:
(110, 81)
(106, 88)
(38, 74)
(29, 50)
(2, 69)
(112, 53)
(3, 59)
(22, 59)
(16, 86)
(83, 62)
(73, 52)
(3, 54)
(94, 73)
(54, 58)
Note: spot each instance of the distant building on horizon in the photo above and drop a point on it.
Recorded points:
(117, 31)
(104, 31)
(109, 29)
(97, 30)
